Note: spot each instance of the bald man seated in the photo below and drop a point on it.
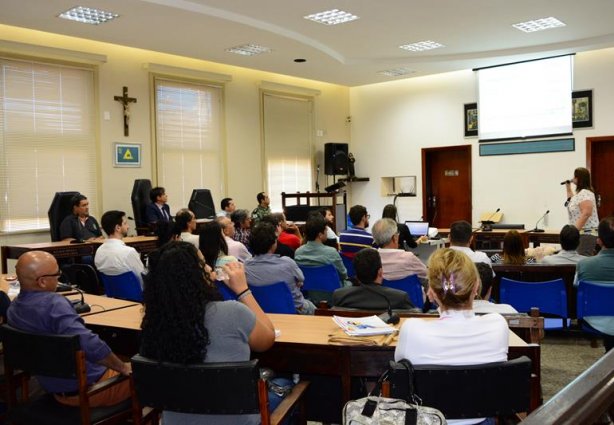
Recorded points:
(39, 309)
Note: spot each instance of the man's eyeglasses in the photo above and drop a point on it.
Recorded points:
(56, 274)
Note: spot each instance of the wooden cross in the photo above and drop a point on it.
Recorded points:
(125, 100)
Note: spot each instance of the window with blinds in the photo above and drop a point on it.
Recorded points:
(47, 139)
(189, 119)
(287, 145)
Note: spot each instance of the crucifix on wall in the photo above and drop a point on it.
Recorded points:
(125, 101)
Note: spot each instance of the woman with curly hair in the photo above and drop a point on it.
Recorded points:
(513, 250)
(186, 322)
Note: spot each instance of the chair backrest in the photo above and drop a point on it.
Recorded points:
(40, 354)
(60, 207)
(204, 388)
(226, 292)
(595, 299)
(85, 277)
(140, 199)
(349, 266)
(320, 278)
(125, 286)
(474, 391)
(550, 296)
(410, 284)
(274, 298)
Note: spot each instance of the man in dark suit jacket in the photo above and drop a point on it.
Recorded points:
(158, 210)
(370, 295)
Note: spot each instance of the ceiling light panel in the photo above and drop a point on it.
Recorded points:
(539, 24)
(396, 72)
(88, 15)
(332, 17)
(421, 46)
(249, 50)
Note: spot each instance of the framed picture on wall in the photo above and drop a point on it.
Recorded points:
(127, 155)
(582, 108)
(471, 119)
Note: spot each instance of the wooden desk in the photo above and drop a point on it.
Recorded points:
(65, 249)
(100, 304)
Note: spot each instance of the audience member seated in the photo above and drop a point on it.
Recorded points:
(315, 253)
(397, 263)
(290, 234)
(39, 309)
(235, 248)
(213, 246)
(461, 236)
(114, 257)
(80, 225)
(282, 249)
(459, 337)
(513, 250)
(331, 237)
(570, 240)
(406, 240)
(228, 207)
(243, 224)
(481, 303)
(370, 294)
(600, 268)
(263, 208)
(353, 240)
(158, 210)
(185, 220)
(266, 267)
(209, 330)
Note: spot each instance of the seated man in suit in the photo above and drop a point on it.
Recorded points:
(39, 309)
(397, 263)
(80, 225)
(158, 210)
(114, 257)
(353, 240)
(370, 295)
(266, 268)
(570, 240)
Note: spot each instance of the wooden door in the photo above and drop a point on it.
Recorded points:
(599, 158)
(446, 185)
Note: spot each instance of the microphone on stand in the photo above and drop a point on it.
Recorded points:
(80, 306)
(388, 317)
(540, 219)
(487, 224)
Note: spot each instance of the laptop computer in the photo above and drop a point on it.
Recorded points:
(418, 228)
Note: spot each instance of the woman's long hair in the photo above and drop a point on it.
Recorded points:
(513, 248)
(583, 179)
(390, 211)
(212, 243)
(176, 292)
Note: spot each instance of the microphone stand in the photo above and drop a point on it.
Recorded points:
(80, 306)
(541, 218)
(487, 224)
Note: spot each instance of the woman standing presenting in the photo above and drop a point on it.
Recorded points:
(582, 210)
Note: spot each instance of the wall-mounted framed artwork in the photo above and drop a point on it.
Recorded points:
(127, 155)
(471, 119)
(582, 108)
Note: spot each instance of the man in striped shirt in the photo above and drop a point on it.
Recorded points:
(353, 240)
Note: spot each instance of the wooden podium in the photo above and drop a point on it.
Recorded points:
(298, 205)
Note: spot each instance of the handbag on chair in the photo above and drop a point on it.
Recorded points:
(378, 410)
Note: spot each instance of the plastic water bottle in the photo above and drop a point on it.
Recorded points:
(14, 288)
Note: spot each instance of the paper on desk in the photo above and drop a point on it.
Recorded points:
(363, 326)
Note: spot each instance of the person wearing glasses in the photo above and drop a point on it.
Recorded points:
(39, 309)
(353, 240)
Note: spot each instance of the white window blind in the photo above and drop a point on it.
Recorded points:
(287, 145)
(189, 119)
(47, 139)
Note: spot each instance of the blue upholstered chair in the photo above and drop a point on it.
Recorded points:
(226, 292)
(550, 297)
(410, 284)
(125, 286)
(349, 266)
(320, 282)
(275, 298)
(595, 306)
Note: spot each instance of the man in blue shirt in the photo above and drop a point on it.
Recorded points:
(353, 240)
(39, 309)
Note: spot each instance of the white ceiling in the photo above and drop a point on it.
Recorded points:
(475, 32)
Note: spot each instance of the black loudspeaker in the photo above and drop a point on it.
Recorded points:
(201, 203)
(336, 159)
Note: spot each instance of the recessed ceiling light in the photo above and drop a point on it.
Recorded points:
(422, 46)
(88, 15)
(332, 17)
(396, 72)
(249, 50)
(539, 24)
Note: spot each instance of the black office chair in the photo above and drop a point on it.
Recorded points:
(232, 388)
(84, 276)
(61, 206)
(58, 356)
(475, 391)
(140, 199)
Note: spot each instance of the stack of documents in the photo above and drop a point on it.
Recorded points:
(363, 326)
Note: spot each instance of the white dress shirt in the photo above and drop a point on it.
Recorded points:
(114, 257)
